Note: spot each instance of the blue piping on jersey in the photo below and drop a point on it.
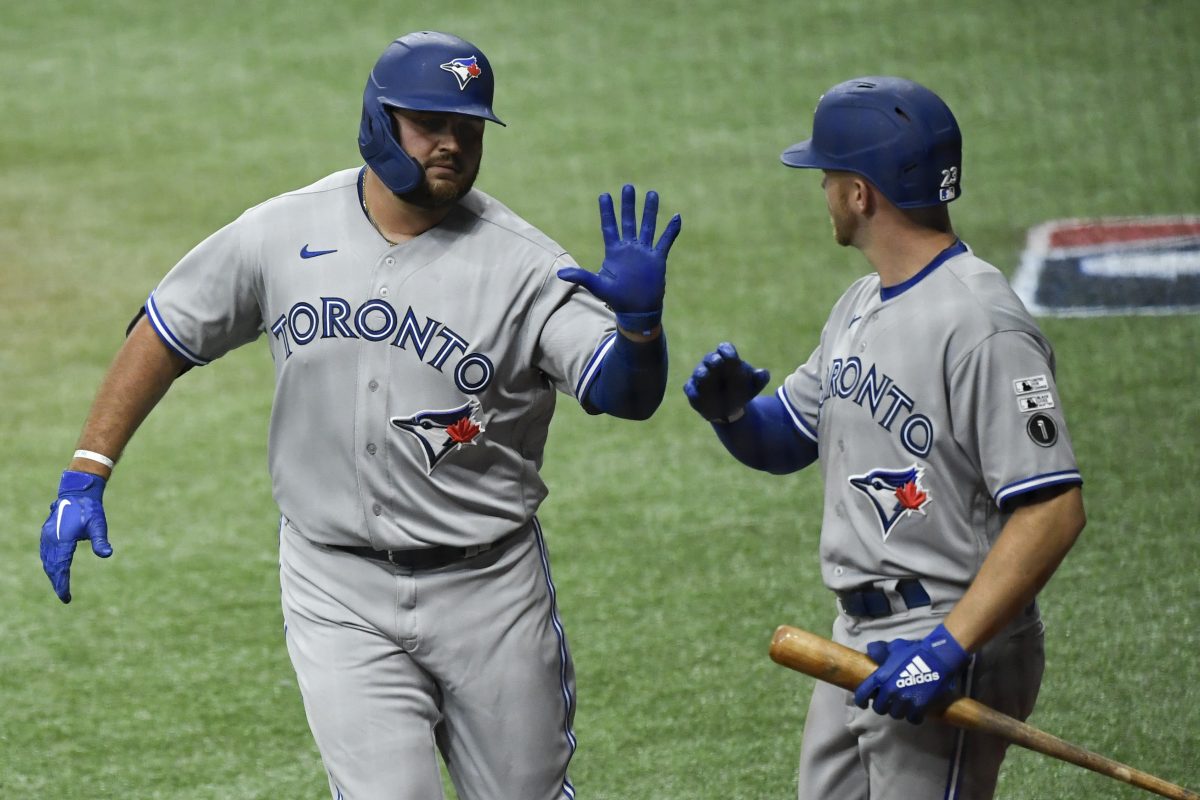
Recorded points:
(797, 419)
(568, 698)
(955, 780)
(279, 562)
(631, 381)
(169, 338)
(1037, 482)
(593, 367)
(956, 249)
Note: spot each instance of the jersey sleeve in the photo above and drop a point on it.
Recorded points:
(1007, 416)
(801, 395)
(575, 333)
(208, 303)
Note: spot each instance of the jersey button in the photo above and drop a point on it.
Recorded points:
(371, 449)
(383, 292)
(373, 385)
(377, 509)
(389, 261)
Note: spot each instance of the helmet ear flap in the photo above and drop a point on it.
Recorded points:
(379, 147)
(370, 138)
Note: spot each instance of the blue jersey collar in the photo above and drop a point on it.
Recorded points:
(888, 292)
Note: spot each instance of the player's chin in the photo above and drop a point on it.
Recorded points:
(439, 192)
(843, 232)
(444, 190)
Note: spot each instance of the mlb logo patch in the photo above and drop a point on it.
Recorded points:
(1135, 265)
(1034, 383)
(1035, 402)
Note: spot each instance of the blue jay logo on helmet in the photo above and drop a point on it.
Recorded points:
(464, 69)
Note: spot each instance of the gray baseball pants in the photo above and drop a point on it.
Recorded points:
(469, 660)
(850, 753)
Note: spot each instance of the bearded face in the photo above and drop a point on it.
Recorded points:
(449, 148)
(445, 183)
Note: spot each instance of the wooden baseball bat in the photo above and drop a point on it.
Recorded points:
(831, 662)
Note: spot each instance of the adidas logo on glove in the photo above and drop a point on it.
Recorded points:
(916, 673)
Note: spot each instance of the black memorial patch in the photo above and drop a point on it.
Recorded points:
(1042, 430)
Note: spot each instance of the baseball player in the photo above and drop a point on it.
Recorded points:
(419, 330)
(951, 489)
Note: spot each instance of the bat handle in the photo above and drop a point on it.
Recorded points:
(834, 663)
(821, 658)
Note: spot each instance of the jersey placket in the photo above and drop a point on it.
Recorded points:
(373, 392)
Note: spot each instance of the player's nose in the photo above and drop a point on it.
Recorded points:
(462, 132)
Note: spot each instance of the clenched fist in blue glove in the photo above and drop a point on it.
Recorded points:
(76, 515)
(912, 674)
(633, 278)
(722, 384)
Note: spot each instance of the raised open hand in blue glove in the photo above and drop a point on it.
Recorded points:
(633, 278)
(912, 674)
(77, 514)
(722, 384)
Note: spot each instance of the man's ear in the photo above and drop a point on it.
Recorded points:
(863, 197)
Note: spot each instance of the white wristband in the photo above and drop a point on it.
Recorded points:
(90, 456)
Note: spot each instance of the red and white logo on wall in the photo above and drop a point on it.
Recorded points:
(1128, 265)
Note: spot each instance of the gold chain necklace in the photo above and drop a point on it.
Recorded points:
(370, 216)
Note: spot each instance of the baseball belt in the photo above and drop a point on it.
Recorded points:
(872, 602)
(427, 558)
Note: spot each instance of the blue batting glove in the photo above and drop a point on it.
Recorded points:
(633, 278)
(912, 675)
(77, 514)
(722, 384)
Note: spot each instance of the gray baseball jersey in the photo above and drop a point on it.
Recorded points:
(414, 389)
(414, 383)
(933, 403)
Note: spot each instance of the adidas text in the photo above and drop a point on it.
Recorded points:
(914, 680)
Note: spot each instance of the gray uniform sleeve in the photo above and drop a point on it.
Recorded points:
(577, 333)
(208, 303)
(801, 395)
(1007, 417)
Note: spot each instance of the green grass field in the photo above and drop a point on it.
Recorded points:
(132, 129)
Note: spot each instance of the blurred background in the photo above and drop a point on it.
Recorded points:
(131, 130)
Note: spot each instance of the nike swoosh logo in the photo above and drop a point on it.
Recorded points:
(856, 319)
(306, 253)
(58, 522)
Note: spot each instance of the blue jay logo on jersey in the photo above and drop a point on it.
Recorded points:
(464, 69)
(893, 493)
(440, 432)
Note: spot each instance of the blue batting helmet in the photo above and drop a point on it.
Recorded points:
(422, 71)
(894, 132)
